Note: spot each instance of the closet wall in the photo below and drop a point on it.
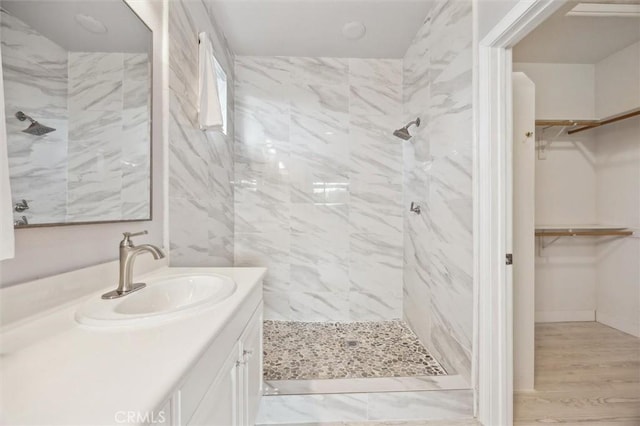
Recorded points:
(617, 88)
(592, 177)
(565, 194)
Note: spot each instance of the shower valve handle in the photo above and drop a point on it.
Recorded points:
(21, 206)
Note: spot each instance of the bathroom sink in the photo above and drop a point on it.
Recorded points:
(163, 298)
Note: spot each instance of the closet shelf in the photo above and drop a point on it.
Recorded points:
(582, 125)
(582, 231)
(558, 232)
(565, 123)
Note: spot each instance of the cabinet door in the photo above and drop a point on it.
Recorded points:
(219, 406)
(251, 345)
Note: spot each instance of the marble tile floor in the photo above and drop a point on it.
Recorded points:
(586, 374)
(310, 350)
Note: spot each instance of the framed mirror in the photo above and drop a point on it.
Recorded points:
(77, 93)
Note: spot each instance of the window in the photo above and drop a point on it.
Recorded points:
(221, 77)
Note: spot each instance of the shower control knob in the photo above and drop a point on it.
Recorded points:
(21, 206)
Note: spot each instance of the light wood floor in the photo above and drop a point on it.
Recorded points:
(586, 374)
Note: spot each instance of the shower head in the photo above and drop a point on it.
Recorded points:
(403, 133)
(34, 128)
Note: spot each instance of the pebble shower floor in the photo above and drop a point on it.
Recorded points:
(318, 350)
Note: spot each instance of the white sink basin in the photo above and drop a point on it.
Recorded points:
(163, 298)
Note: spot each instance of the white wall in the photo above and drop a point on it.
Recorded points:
(617, 82)
(42, 252)
(565, 188)
(490, 12)
(618, 190)
(524, 93)
(563, 91)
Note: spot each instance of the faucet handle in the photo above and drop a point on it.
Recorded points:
(126, 242)
(134, 234)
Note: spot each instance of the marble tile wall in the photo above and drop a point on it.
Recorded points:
(318, 175)
(35, 82)
(438, 244)
(200, 163)
(109, 136)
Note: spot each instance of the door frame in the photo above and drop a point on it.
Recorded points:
(492, 210)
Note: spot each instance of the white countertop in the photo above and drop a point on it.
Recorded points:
(54, 371)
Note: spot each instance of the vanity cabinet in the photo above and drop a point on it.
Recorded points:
(221, 404)
(224, 388)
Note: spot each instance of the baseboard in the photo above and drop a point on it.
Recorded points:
(565, 316)
(629, 327)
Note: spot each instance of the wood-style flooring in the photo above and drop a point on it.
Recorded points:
(586, 374)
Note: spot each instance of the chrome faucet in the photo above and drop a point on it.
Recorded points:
(128, 253)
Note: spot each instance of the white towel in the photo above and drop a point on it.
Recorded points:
(209, 111)
(7, 244)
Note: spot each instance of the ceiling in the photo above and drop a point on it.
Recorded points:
(55, 20)
(577, 40)
(314, 27)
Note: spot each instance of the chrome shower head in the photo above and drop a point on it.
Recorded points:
(403, 133)
(34, 128)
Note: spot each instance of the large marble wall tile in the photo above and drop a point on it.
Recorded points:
(301, 409)
(35, 81)
(377, 72)
(437, 165)
(375, 100)
(19, 36)
(276, 305)
(201, 164)
(95, 81)
(374, 306)
(34, 161)
(261, 200)
(374, 152)
(319, 70)
(319, 306)
(319, 248)
(312, 164)
(94, 196)
(267, 249)
(451, 407)
(451, 404)
(375, 263)
(109, 127)
(189, 245)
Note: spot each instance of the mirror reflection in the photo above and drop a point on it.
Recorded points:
(77, 92)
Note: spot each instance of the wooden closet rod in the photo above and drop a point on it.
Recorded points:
(593, 233)
(606, 121)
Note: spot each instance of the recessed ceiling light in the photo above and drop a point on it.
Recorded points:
(605, 10)
(354, 30)
(91, 24)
